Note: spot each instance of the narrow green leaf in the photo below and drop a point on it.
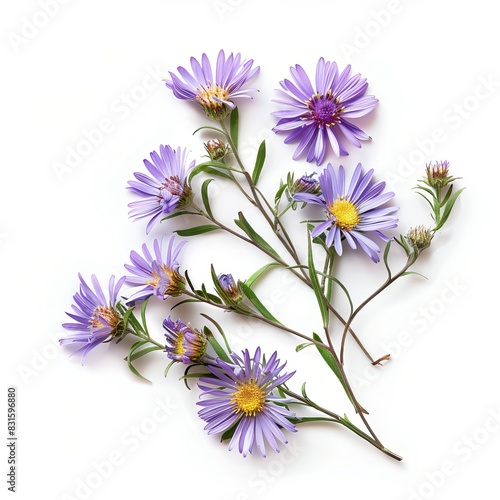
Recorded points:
(303, 346)
(407, 273)
(279, 193)
(212, 168)
(204, 197)
(138, 354)
(386, 256)
(331, 362)
(234, 126)
(135, 372)
(219, 350)
(177, 214)
(243, 224)
(258, 304)
(221, 331)
(303, 391)
(207, 127)
(448, 208)
(259, 162)
(257, 274)
(316, 285)
(193, 231)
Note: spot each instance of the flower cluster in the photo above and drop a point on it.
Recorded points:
(247, 399)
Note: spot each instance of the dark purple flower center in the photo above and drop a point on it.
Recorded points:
(173, 185)
(325, 110)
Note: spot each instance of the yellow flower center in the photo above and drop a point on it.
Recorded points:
(206, 96)
(345, 213)
(179, 348)
(249, 398)
(155, 281)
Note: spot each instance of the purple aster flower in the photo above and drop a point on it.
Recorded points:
(352, 211)
(319, 116)
(230, 287)
(240, 396)
(156, 273)
(167, 189)
(184, 343)
(214, 94)
(96, 318)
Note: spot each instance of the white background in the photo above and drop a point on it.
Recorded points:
(97, 431)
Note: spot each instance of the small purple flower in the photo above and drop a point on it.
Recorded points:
(240, 396)
(214, 94)
(230, 287)
(319, 116)
(305, 184)
(352, 211)
(167, 189)
(157, 274)
(96, 318)
(184, 344)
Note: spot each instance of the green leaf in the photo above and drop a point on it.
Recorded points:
(407, 273)
(139, 354)
(279, 193)
(386, 256)
(204, 197)
(257, 274)
(212, 168)
(233, 126)
(259, 162)
(258, 304)
(243, 224)
(129, 359)
(316, 285)
(448, 208)
(193, 231)
(221, 331)
(332, 363)
(303, 346)
(219, 350)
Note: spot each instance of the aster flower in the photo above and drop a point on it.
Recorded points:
(184, 343)
(214, 94)
(96, 318)
(438, 174)
(239, 397)
(230, 287)
(167, 189)
(319, 116)
(352, 211)
(156, 272)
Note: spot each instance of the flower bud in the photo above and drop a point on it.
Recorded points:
(437, 174)
(419, 238)
(305, 184)
(216, 149)
(232, 289)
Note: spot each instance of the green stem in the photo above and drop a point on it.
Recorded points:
(284, 238)
(391, 279)
(342, 421)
